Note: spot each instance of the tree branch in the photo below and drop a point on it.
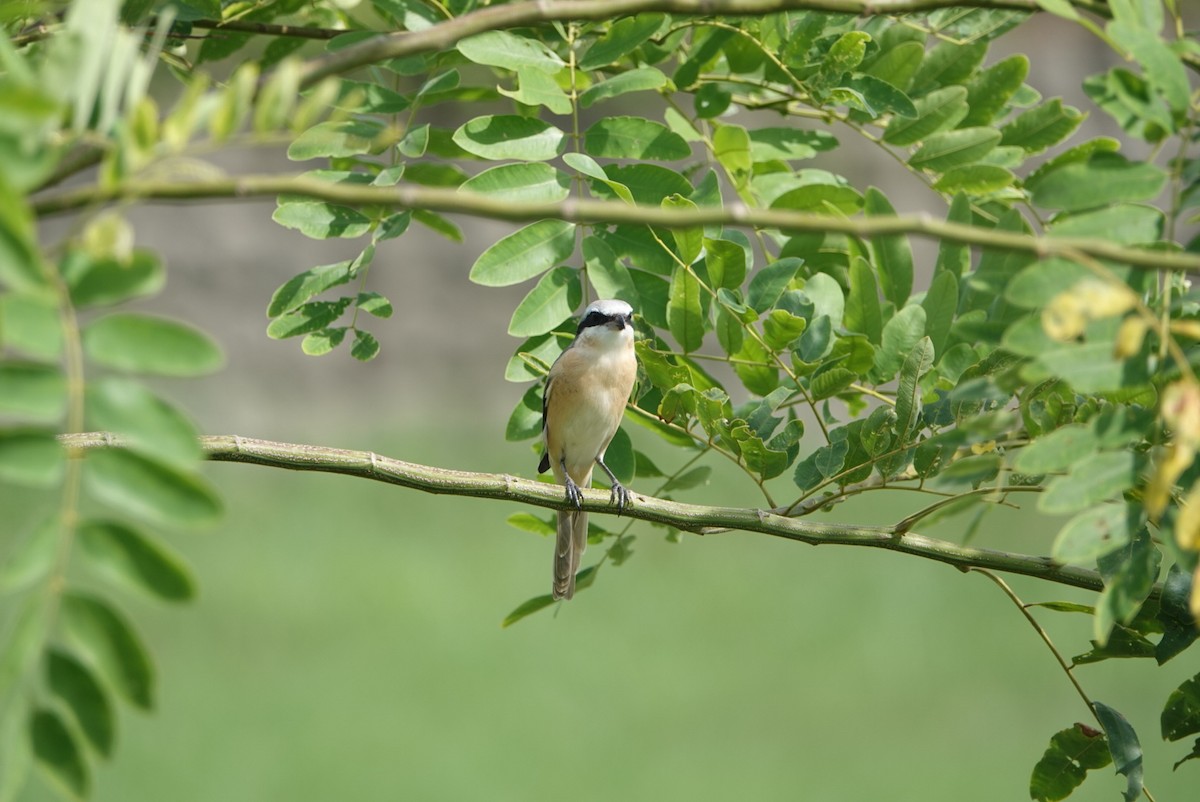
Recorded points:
(442, 199)
(698, 519)
(446, 34)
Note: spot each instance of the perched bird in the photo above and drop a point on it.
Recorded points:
(582, 406)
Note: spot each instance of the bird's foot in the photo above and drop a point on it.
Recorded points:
(574, 494)
(621, 497)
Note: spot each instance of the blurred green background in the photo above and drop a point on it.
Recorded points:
(347, 645)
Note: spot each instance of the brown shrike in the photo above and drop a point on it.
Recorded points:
(582, 406)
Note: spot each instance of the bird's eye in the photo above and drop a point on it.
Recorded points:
(593, 318)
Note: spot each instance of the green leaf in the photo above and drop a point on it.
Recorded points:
(306, 318)
(531, 523)
(57, 754)
(974, 179)
(641, 79)
(941, 306)
(148, 423)
(1181, 714)
(862, 304)
(29, 323)
(725, 262)
(145, 344)
(936, 112)
(374, 304)
(648, 184)
(32, 560)
(23, 640)
(991, 89)
(31, 391)
(908, 389)
(1164, 69)
(897, 64)
(31, 457)
(781, 328)
(1124, 747)
(525, 253)
(505, 136)
(16, 754)
(831, 382)
(591, 168)
(135, 560)
(1060, 8)
(622, 38)
(319, 343)
(731, 146)
(365, 346)
(820, 198)
(634, 138)
(524, 182)
(788, 144)
(530, 607)
(110, 646)
(689, 241)
(893, 255)
(1126, 223)
(1092, 534)
(509, 51)
(318, 220)
(1090, 368)
(947, 64)
(1063, 768)
(881, 97)
(339, 138)
(949, 149)
(1099, 478)
(1057, 450)
(98, 282)
(693, 477)
(549, 303)
(769, 282)
(1102, 179)
(147, 488)
(74, 684)
(20, 262)
(526, 418)
(537, 88)
(684, 315)
(606, 272)
(900, 335)
(1042, 126)
(1179, 628)
(437, 223)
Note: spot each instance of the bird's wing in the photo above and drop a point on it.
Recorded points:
(544, 465)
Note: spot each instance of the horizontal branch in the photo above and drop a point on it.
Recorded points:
(446, 34)
(698, 519)
(442, 199)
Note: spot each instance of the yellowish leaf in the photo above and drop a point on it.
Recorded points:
(1181, 410)
(1129, 337)
(1065, 317)
(1187, 523)
(1174, 460)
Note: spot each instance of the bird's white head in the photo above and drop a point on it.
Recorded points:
(606, 323)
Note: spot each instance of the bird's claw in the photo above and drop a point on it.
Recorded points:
(621, 497)
(574, 495)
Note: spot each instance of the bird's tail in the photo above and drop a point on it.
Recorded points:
(568, 550)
